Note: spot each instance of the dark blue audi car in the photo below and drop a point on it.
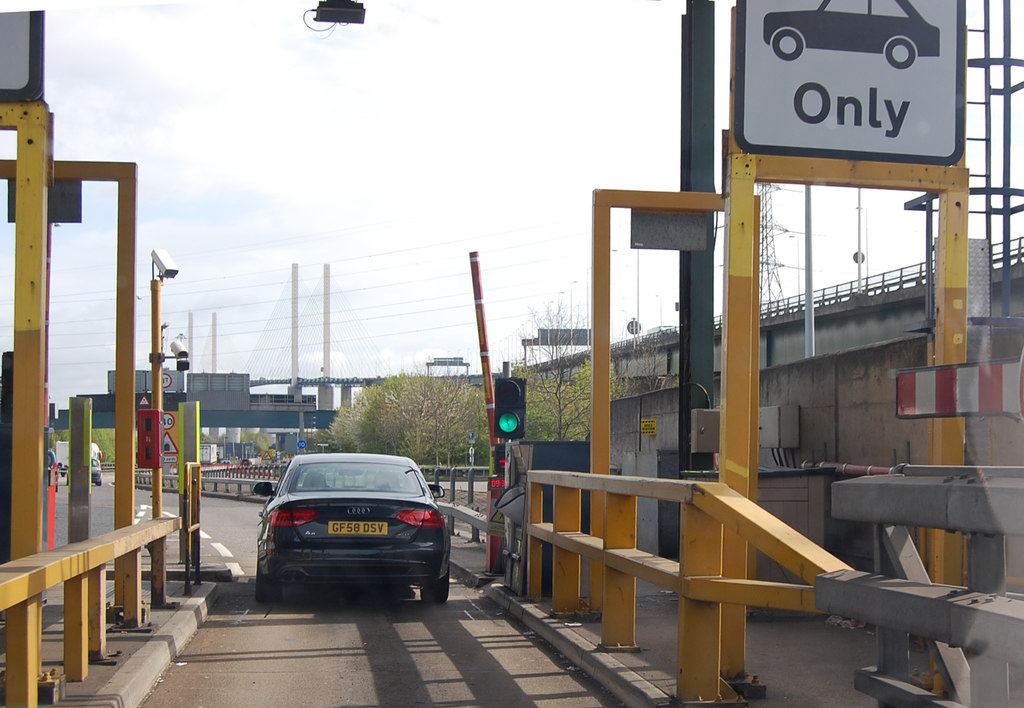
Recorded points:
(352, 519)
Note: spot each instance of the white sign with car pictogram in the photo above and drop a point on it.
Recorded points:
(851, 79)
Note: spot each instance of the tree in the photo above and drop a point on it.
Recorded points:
(422, 417)
(557, 372)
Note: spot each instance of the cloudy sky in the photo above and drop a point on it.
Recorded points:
(389, 151)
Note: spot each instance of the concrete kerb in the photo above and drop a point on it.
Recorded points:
(136, 677)
(628, 686)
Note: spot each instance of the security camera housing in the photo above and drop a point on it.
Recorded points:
(180, 354)
(164, 264)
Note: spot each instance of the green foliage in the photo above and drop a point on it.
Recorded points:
(422, 417)
(558, 400)
(104, 437)
(260, 441)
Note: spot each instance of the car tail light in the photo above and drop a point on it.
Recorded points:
(292, 517)
(421, 518)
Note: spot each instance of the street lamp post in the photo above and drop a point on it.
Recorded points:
(163, 267)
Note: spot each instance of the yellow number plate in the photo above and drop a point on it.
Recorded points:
(358, 528)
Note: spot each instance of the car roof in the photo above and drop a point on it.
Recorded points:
(353, 457)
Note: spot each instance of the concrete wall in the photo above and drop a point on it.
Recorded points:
(637, 454)
(847, 406)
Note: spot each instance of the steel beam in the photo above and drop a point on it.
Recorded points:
(989, 506)
(981, 623)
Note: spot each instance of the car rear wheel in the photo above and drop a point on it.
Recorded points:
(787, 43)
(267, 590)
(900, 52)
(436, 591)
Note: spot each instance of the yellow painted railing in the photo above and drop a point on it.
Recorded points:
(706, 508)
(80, 567)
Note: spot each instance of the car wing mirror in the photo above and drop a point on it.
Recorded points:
(436, 490)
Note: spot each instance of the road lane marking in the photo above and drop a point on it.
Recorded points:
(236, 570)
(221, 549)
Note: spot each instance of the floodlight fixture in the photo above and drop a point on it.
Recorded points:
(340, 11)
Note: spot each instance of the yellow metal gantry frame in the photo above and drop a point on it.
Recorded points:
(619, 530)
(741, 321)
(34, 175)
(34, 171)
(724, 625)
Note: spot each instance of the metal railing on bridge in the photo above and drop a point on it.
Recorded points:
(873, 285)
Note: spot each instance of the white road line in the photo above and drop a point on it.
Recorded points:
(236, 570)
(221, 549)
(203, 534)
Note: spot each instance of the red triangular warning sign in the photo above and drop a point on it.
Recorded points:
(168, 447)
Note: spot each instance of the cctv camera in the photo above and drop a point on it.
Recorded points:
(164, 264)
(178, 349)
(180, 353)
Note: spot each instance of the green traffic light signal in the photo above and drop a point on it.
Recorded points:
(508, 422)
(510, 408)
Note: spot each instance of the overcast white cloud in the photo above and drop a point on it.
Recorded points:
(389, 151)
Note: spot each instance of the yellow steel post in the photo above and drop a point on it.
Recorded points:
(97, 582)
(565, 581)
(600, 377)
(946, 561)
(34, 174)
(535, 548)
(158, 550)
(699, 629)
(76, 628)
(127, 570)
(740, 383)
(618, 621)
(950, 315)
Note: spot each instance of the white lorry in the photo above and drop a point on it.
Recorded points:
(209, 453)
(61, 451)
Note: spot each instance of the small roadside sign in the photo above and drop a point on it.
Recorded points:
(649, 426)
(301, 444)
(168, 447)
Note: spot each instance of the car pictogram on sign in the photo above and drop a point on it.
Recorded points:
(890, 27)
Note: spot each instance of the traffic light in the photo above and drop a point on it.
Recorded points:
(510, 408)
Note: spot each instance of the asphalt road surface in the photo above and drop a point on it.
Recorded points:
(323, 648)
